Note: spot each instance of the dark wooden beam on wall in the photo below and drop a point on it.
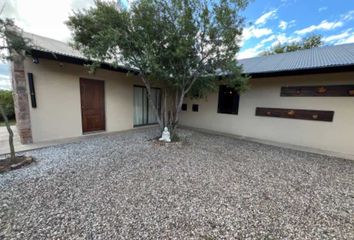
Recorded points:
(318, 91)
(315, 115)
(31, 90)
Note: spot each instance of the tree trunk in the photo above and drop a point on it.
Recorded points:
(165, 110)
(11, 134)
(168, 117)
(154, 107)
(177, 109)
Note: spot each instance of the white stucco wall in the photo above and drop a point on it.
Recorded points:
(336, 136)
(58, 112)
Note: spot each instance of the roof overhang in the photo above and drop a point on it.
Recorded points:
(330, 69)
(35, 53)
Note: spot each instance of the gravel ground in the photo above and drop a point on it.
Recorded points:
(209, 187)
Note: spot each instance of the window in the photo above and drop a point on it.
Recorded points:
(195, 107)
(184, 107)
(228, 100)
(143, 113)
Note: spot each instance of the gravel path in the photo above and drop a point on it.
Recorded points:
(210, 187)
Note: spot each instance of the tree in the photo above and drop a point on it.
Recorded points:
(11, 134)
(183, 44)
(12, 45)
(8, 104)
(305, 43)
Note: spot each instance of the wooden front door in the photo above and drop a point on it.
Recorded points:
(92, 105)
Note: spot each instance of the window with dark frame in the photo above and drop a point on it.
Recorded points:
(184, 107)
(228, 100)
(195, 107)
(143, 113)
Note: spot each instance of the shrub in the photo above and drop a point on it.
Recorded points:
(8, 103)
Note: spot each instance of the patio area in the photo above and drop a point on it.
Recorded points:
(125, 186)
(19, 147)
(4, 139)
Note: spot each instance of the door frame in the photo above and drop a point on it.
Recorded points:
(103, 105)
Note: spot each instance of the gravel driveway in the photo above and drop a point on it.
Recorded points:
(210, 187)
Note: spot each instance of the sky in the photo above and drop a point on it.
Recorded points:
(267, 22)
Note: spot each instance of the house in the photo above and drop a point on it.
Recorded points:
(302, 99)
(56, 96)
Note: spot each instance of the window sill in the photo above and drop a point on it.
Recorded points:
(227, 113)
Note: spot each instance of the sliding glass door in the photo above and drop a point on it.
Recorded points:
(143, 113)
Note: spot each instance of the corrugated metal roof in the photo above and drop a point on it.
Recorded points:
(328, 56)
(53, 46)
(322, 57)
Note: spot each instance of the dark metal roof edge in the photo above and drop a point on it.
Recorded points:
(78, 61)
(328, 69)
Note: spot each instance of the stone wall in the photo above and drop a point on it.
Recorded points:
(21, 102)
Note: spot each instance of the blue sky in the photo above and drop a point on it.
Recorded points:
(268, 22)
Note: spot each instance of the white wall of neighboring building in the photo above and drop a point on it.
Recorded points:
(336, 136)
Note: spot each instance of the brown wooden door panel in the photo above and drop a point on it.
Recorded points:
(92, 105)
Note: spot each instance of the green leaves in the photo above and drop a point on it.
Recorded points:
(306, 43)
(178, 42)
(7, 103)
(312, 41)
(12, 40)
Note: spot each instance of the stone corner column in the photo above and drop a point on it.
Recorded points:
(21, 102)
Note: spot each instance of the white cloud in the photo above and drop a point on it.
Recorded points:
(324, 25)
(321, 9)
(348, 16)
(251, 52)
(338, 37)
(283, 25)
(346, 39)
(5, 82)
(248, 53)
(44, 17)
(282, 38)
(260, 47)
(255, 32)
(265, 17)
(268, 39)
(291, 23)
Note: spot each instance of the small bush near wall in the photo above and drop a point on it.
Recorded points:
(8, 103)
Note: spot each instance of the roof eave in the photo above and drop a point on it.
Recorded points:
(79, 61)
(320, 70)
